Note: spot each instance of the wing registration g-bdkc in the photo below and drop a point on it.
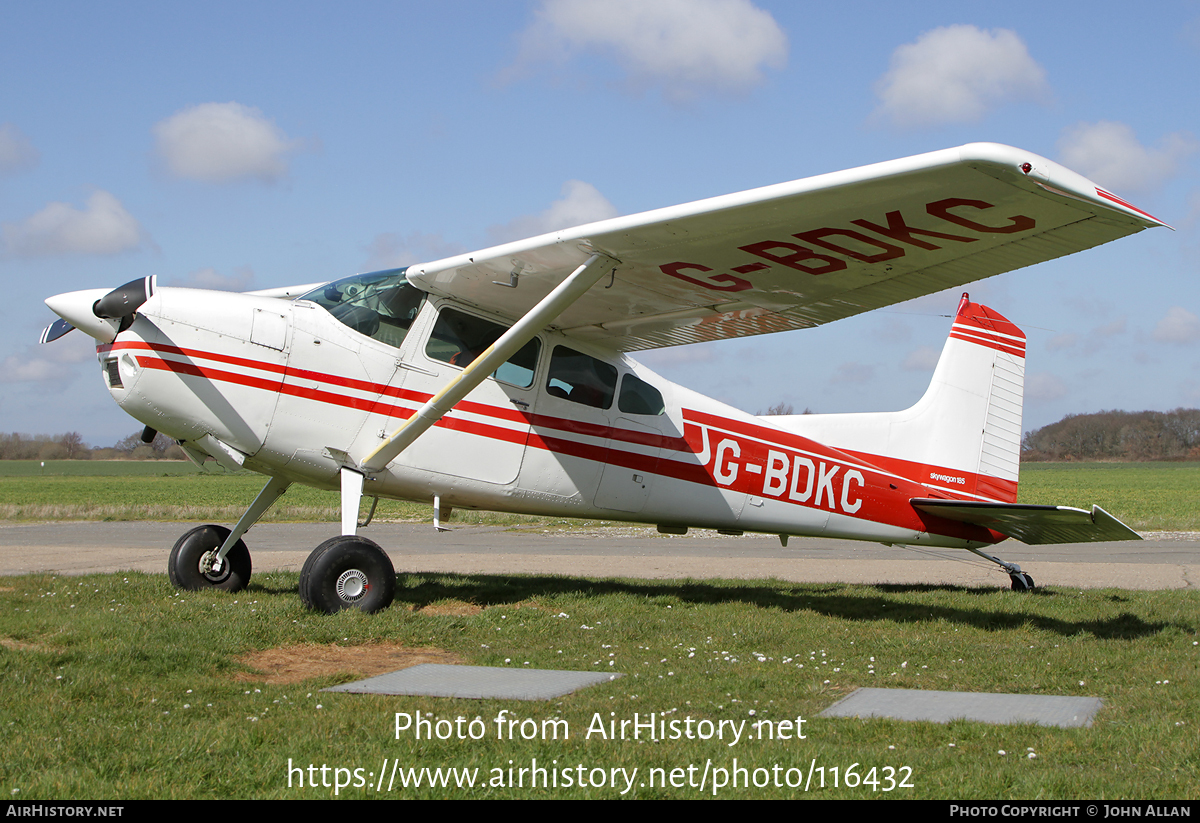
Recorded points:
(500, 379)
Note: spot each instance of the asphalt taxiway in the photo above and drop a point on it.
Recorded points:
(1162, 561)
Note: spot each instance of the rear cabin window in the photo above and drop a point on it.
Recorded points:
(459, 338)
(580, 378)
(639, 397)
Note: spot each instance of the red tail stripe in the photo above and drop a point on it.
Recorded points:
(990, 343)
(982, 317)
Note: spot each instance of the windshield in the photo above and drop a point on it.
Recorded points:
(380, 304)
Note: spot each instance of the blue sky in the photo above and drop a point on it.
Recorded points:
(374, 134)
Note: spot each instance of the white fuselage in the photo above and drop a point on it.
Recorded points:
(285, 389)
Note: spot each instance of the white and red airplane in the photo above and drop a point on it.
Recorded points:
(499, 379)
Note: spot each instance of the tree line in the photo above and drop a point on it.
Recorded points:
(1106, 435)
(70, 446)
(1117, 435)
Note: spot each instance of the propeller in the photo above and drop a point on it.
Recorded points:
(123, 301)
(55, 330)
(98, 313)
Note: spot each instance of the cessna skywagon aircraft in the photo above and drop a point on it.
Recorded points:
(500, 379)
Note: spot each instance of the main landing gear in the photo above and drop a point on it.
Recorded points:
(344, 572)
(1021, 582)
(348, 572)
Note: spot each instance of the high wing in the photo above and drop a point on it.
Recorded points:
(799, 254)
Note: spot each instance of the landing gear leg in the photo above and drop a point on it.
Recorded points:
(1021, 582)
(214, 556)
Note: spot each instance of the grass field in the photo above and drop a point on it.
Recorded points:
(117, 686)
(1147, 496)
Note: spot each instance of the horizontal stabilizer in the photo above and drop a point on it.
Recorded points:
(1034, 525)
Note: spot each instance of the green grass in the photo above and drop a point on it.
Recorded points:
(96, 468)
(1147, 496)
(170, 490)
(116, 686)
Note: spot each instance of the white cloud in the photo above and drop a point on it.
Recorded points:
(685, 46)
(1179, 326)
(853, 373)
(210, 278)
(17, 152)
(219, 142)
(891, 330)
(704, 353)
(1190, 393)
(51, 362)
(390, 250)
(955, 74)
(1100, 333)
(102, 227)
(1109, 153)
(1064, 340)
(924, 358)
(1044, 387)
(580, 203)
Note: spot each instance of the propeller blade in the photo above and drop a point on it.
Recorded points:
(55, 330)
(123, 301)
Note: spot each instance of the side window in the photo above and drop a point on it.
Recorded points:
(459, 338)
(639, 397)
(581, 379)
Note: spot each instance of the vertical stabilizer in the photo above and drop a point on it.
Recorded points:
(964, 435)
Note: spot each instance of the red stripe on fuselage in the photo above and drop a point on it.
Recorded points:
(879, 504)
(401, 412)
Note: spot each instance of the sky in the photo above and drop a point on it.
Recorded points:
(253, 144)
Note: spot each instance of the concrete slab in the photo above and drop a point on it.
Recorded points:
(942, 707)
(479, 682)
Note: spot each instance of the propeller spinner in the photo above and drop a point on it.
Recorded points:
(99, 313)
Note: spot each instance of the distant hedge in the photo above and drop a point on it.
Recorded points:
(1117, 435)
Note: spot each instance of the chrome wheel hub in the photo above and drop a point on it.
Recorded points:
(352, 585)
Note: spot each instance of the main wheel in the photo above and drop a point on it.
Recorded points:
(348, 572)
(1021, 582)
(187, 567)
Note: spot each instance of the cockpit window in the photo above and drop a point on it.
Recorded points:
(381, 304)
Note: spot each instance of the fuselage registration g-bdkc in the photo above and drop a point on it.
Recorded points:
(499, 379)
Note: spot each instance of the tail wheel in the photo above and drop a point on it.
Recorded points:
(190, 565)
(1021, 582)
(348, 572)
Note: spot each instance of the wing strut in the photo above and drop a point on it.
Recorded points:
(536, 319)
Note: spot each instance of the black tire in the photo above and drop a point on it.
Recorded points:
(1021, 582)
(184, 566)
(348, 572)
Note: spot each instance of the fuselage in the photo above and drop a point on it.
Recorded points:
(286, 388)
